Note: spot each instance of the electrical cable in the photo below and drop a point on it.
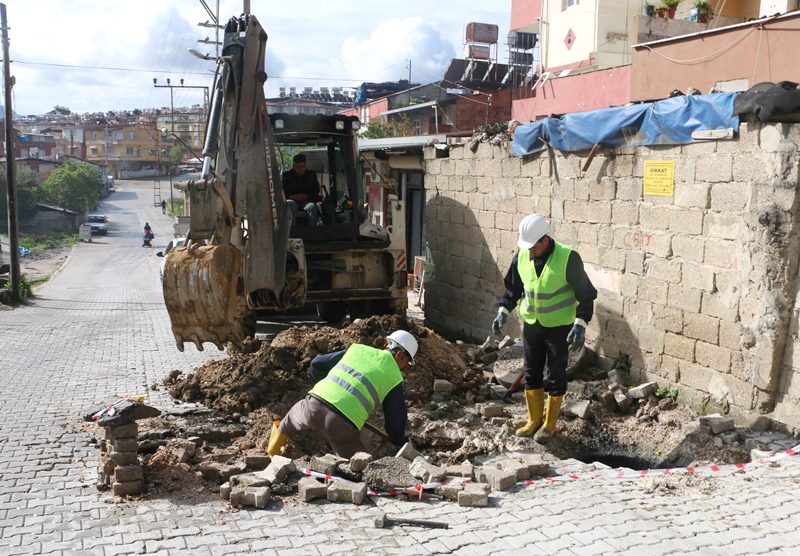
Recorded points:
(702, 59)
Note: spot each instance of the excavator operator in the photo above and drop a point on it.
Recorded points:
(301, 187)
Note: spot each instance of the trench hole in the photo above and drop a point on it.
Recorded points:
(615, 460)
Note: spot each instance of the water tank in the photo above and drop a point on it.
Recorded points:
(517, 58)
(521, 40)
(481, 32)
(478, 52)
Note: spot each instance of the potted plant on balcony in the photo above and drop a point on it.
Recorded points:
(703, 10)
(649, 9)
(670, 6)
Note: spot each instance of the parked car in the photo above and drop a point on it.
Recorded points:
(98, 223)
(173, 243)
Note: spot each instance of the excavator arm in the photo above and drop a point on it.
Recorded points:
(235, 257)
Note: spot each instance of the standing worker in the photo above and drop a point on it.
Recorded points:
(163, 206)
(348, 386)
(556, 301)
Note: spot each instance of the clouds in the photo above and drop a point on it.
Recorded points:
(383, 54)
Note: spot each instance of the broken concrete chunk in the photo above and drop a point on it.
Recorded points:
(498, 479)
(717, 423)
(623, 400)
(126, 473)
(426, 471)
(537, 465)
(311, 489)
(443, 386)
(340, 491)
(608, 400)
(256, 462)
(505, 342)
(225, 491)
(490, 357)
(128, 488)
(489, 344)
(474, 495)
(128, 412)
(327, 464)
(257, 497)
(462, 470)
(131, 430)
(449, 491)
(643, 390)
(359, 461)
(407, 452)
(257, 479)
(581, 409)
(517, 466)
(388, 473)
(279, 469)
(490, 410)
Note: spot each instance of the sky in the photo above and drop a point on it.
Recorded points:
(101, 55)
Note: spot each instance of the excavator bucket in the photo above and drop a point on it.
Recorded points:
(201, 285)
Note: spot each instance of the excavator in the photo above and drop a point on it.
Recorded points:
(243, 254)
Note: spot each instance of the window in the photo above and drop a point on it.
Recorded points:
(132, 135)
(568, 3)
(129, 150)
(93, 151)
(94, 135)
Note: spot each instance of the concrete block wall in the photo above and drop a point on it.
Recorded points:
(698, 289)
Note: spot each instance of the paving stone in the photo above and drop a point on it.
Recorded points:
(327, 464)
(517, 466)
(538, 465)
(497, 479)
(407, 452)
(256, 462)
(125, 445)
(623, 400)
(257, 497)
(127, 412)
(131, 430)
(225, 491)
(359, 461)
(311, 489)
(279, 469)
(257, 479)
(449, 491)
(426, 471)
(220, 472)
(717, 423)
(128, 488)
(125, 458)
(490, 410)
(125, 473)
(464, 469)
(474, 495)
(340, 491)
(581, 409)
(643, 390)
(443, 386)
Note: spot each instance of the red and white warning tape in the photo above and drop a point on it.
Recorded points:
(607, 475)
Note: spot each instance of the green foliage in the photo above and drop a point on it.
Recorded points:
(623, 367)
(73, 186)
(175, 154)
(175, 207)
(670, 3)
(28, 194)
(25, 288)
(400, 127)
(702, 5)
(665, 392)
(40, 241)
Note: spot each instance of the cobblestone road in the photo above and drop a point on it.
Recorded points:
(99, 329)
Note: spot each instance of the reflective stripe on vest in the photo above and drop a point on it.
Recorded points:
(359, 382)
(549, 299)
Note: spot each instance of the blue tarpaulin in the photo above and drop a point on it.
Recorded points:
(665, 122)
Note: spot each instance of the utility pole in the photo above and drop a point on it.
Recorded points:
(11, 195)
(409, 81)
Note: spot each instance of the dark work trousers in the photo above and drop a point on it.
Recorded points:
(310, 413)
(546, 345)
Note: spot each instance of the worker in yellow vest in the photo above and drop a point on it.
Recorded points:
(349, 385)
(556, 301)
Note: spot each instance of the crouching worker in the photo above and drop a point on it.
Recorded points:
(348, 386)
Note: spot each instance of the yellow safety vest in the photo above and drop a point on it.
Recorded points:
(548, 299)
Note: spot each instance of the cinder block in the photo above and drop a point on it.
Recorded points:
(474, 495)
(730, 335)
(668, 319)
(634, 263)
(629, 285)
(310, 489)
(581, 409)
(654, 217)
(692, 195)
(643, 390)
(701, 327)
(279, 469)
(697, 276)
(721, 306)
(131, 430)
(668, 270)
(126, 473)
(688, 222)
(340, 491)
(717, 423)
(688, 248)
(713, 169)
(511, 167)
(653, 290)
(598, 212)
(715, 357)
(651, 339)
(721, 253)
(490, 410)
(444, 386)
(723, 226)
(623, 400)
(686, 299)
(679, 346)
(576, 211)
(730, 197)
(659, 244)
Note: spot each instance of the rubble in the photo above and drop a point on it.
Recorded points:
(256, 462)
(623, 400)
(311, 489)
(388, 473)
(581, 409)
(340, 491)
(497, 479)
(407, 452)
(422, 469)
(474, 495)
(279, 469)
(444, 386)
(359, 461)
(717, 423)
(643, 390)
(327, 464)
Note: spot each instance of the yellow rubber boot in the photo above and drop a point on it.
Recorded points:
(547, 432)
(277, 440)
(534, 400)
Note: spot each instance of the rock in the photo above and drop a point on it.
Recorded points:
(730, 437)
(359, 461)
(498, 421)
(426, 471)
(346, 472)
(150, 446)
(666, 404)
(156, 434)
(128, 412)
(490, 410)
(623, 400)
(407, 452)
(461, 470)
(643, 390)
(717, 423)
(388, 473)
(257, 497)
(225, 491)
(489, 358)
(757, 423)
(279, 469)
(443, 386)
(489, 344)
(129, 488)
(498, 479)
(257, 479)
(449, 491)
(125, 458)
(581, 409)
(474, 495)
(220, 472)
(311, 489)
(256, 462)
(126, 473)
(537, 465)
(505, 342)
(340, 491)
(131, 430)
(327, 464)
(519, 467)
(125, 445)
(608, 400)
(182, 455)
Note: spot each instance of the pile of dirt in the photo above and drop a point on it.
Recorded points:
(167, 477)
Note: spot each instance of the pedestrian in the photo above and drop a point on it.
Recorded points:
(163, 206)
(348, 386)
(556, 301)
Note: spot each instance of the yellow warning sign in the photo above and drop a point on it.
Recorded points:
(659, 177)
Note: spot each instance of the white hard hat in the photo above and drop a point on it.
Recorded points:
(532, 228)
(401, 338)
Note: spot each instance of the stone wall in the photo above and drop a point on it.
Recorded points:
(698, 289)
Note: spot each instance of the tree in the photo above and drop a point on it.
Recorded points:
(400, 127)
(28, 194)
(73, 186)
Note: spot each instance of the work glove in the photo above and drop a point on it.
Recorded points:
(576, 337)
(499, 321)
